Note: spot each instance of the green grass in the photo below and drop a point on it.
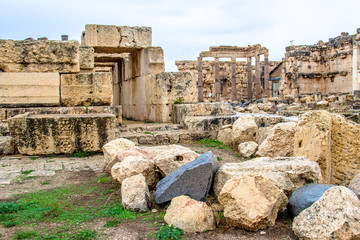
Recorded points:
(33, 158)
(27, 172)
(213, 143)
(45, 183)
(179, 100)
(112, 223)
(149, 133)
(81, 154)
(104, 178)
(219, 158)
(67, 208)
(168, 233)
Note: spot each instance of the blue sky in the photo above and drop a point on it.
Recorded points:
(185, 28)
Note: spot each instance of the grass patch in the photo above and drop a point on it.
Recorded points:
(112, 223)
(81, 154)
(27, 172)
(179, 100)
(149, 133)
(219, 158)
(45, 183)
(34, 158)
(104, 178)
(25, 235)
(213, 143)
(168, 232)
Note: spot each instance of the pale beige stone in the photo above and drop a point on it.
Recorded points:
(355, 184)
(190, 215)
(244, 129)
(247, 149)
(22, 89)
(251, 202)
(169, 158)
(279, 141)
(331, 141)
(86, 89)
(135, 193)
(334, 216)
(224, 136)
(306, 99)
(86, 57)
(39, 56)
(112, 148)
(133, 165)
(253, 108)
(261, 134)
(287, 174)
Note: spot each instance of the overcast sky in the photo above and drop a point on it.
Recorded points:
(185, 28)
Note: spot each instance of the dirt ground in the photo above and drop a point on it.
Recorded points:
(139, 228)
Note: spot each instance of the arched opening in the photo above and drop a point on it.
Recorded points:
(224, 85)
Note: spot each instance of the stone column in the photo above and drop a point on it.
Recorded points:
(200, 83)
(266, 75)
(217, 81)
(249, 77)
(233, 79)
(257, 77)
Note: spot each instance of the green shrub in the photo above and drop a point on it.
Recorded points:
(179, 100)
(168, 233)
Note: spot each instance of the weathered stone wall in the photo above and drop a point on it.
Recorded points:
(56, 134)
(331, 67)
(29, 89)
(90, 89)
(39, 56)
(208, 70)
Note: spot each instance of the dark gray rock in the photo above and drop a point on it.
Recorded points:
(305, 196)
(193, 179)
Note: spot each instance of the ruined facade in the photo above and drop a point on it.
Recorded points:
(330, 68)
(229, 80)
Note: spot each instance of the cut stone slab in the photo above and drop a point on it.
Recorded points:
(334, 216)
(169, 158)
(251, 202)
(193, 179)
(305, 196)
(190, 215)
(288, 173)
(7, 145)
(135, 194)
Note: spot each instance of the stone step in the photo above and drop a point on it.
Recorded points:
(149, 127)
(166, 137)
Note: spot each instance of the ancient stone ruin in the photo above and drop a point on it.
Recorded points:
(292, 124)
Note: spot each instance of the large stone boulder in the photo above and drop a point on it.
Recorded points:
(224, 135)
(133, 165)
(244, 129)
(7, 145)
(305, 196)
(135, 194)
(355, 185)
(112, 148)
(190, 215)
(247, 149)
(287, 174)
(169, 158)
(251, 202)
(279, 142)
(334, 216)
(133, 151)
(332, 141)
(193, 179)
(261, 134)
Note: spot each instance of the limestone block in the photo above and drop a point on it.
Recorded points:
(224, 135)
(29, 89)
(355, 185)
(251, 202)
(7, 145)
(331, 141)
(135, 193)
(117, 37)
(247, 149)
(261, 134)
(61, 133)
(334, 216)
(154, 59)
(112, 148)
(133, 165)
(279, 142)
(90, 89)
(170, 157)
(287, 174)
(189, 215)
(39, 56)
(244, 129)
(86, 57)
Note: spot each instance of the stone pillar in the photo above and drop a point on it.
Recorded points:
(355, 80)
(233, 79)
(267, 75)
(200, 83)
(217, 81)
(257, 77)
(249, 77)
